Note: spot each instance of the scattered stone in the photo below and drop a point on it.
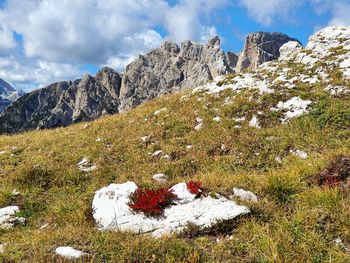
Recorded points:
(85, 166)
(69, 252)
(160, 178)
(245, 195)
(8, 219)
(199, 124)
(294, 107)
(44, 226)
(301, 154)
(217, 119)
(165, 157)
(160, 111)
(98, 140)
(278, 159)
(111, 211)
(2, 250)
(157, 153)
(189, 147)
(146, 139)
(15, 193)
(254, 122)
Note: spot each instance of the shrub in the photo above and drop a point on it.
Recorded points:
(151, 202)
(194, 187)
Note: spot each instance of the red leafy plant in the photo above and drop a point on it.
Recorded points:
(151, 202)
(194, 187)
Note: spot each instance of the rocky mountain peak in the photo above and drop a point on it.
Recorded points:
(8, 94)
(214, 42)
(170, 47)
(261, 47)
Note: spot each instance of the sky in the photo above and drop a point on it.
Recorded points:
(44, 41)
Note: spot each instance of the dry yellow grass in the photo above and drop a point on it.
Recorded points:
(295, 221)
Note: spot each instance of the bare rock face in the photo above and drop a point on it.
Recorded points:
(8, 94)
(64, 103)
(259, 48)
(171, 68)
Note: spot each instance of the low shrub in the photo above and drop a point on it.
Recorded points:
(151, 202)
(194, 187)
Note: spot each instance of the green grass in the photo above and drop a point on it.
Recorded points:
(295, 220)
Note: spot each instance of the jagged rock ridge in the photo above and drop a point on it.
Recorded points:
(167, 69)
(64, 103)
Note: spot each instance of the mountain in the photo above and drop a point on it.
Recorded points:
(275, 140)
(8, 94)
(165, 70)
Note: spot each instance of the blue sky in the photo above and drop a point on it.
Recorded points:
(43, 41)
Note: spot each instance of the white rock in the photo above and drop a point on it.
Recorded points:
(294, 107)
(85, 166)
(245, 195)
(146, 139)
(69, 252)
(199, 124)
(278, 159)
(289, 50)
(160, 111)
(189, 147)
(299, 153)
(254, 122)
(157, 153)
(2, 250)
(166, 157)
(161, 178)
(217, 119)
(2, 152)
(111, 211)
(8, 219)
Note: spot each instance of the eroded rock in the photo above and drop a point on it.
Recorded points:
(111, 211)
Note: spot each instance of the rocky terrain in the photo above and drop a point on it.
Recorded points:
(169, 69)
(257, 165)
(8, 94)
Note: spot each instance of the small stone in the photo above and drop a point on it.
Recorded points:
(146, 139)
(85, 166)
(161, 178)
(217, 119)
(255, 122)
(160, 111)
(69, 252)
(245, 195)
(299, 153)
(157, 153)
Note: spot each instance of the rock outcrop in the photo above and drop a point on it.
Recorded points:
(64, 103)
(172, 68)
(112, 212)
(8, 94)
(259, 48)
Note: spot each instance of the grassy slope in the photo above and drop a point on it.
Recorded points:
(294, 221)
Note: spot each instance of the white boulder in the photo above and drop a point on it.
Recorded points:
(111, 211)
(8, 219)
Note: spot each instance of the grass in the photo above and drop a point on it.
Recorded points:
(295, 221)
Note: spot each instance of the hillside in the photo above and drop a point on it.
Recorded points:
(281, 132)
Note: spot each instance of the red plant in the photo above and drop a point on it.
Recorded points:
(195, 187)
(151, 202)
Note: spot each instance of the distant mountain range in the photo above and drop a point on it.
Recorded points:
(8, 94)
(165, 70)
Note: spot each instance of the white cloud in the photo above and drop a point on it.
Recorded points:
(57, 34)
(7, 40)
(26, 74)
(265, 11)
(184, 21)
(340, 11)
